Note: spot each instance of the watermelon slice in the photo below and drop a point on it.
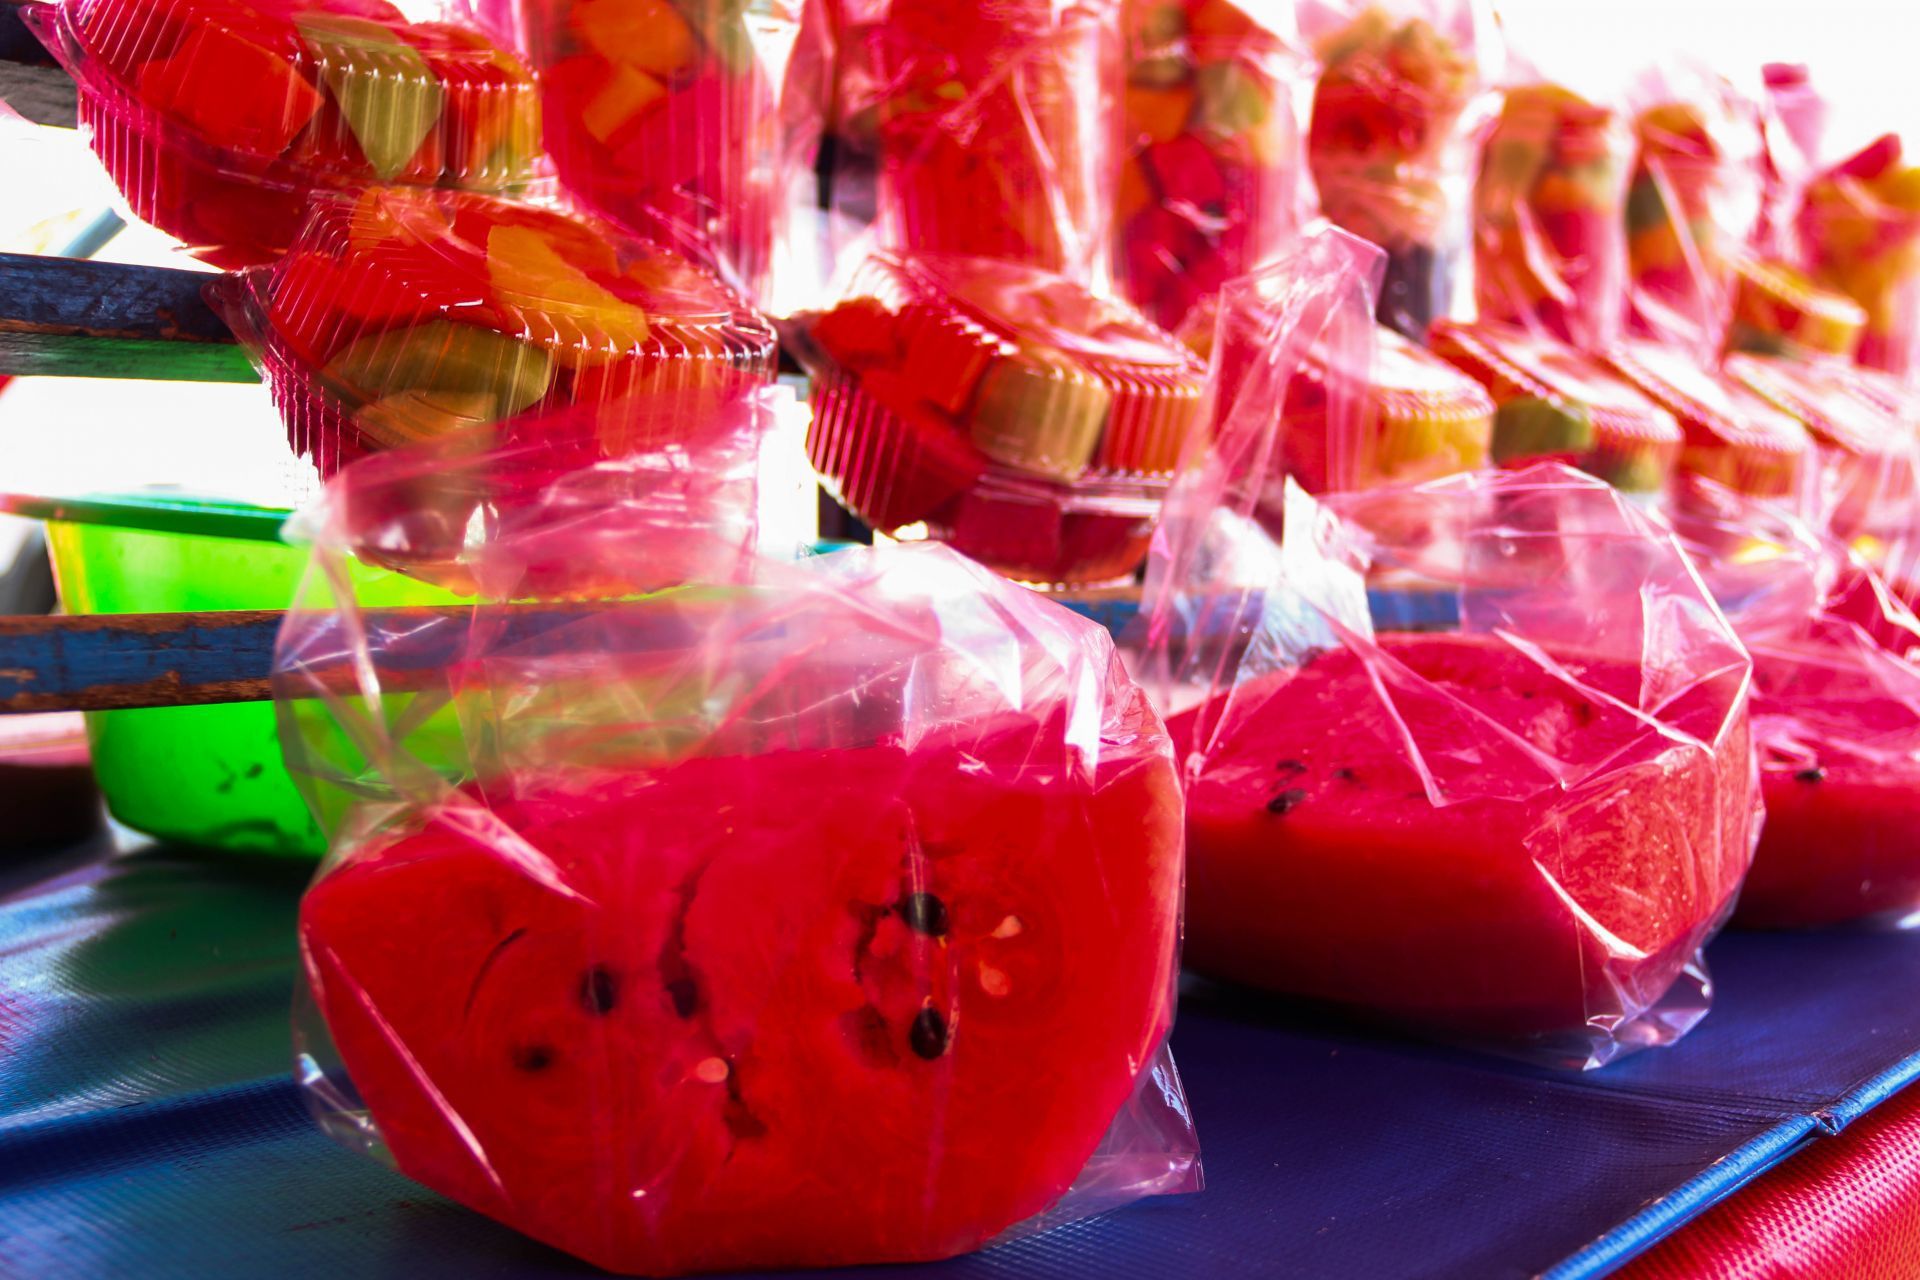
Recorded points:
(804, 1008)
(1548, 878)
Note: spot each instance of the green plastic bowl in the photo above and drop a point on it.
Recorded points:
(209, 776)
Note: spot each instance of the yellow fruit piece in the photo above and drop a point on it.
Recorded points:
(389, 95)
(526, 269)
(1157, 115)
(1040, 413)
(412, 416)
(646, 35)
(626, 94)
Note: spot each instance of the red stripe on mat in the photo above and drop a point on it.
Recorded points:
(1846, 1208)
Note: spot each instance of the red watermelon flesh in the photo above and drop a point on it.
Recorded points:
(1318, 865)
(800, 1009)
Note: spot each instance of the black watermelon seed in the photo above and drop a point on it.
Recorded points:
(685, 996)
(1284, 802)
(924, 913)
(1815, 774)
(599, 990)
(1346, 775)
(1290, 766)
(533, 1057)
(929, 1034)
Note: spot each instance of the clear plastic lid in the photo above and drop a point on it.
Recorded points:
(1733, 435)
(1833, 401)
(1778, 310)
(414, 313)
(1556, 402)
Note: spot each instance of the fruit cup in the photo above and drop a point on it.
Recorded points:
(1558, 404)
(403, 315)
(1778, 311)
(1211, 154)
(1024, 420)
(1866, 450)
(1549, 245)
(221, 120)
(1692, 205)
(1396, 114)
(992, 142)
(661, 115)
(1733, 436)
(1859, 229)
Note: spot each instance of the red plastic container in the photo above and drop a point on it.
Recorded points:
(404, 315)
(1026, 421)
(220, 120)
(1555, 403)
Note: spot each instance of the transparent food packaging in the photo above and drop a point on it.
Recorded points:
(1692, 207)
(1859, 233)
(791, 914)
(1867, 450)
(1558, 403)
(1516, 831)
(222, 120)
(1211, 154)
(1836, 717)
(403, 315)
(665, 116)
(1400, 107)
(1028, 422)
(1550, 213)
(1778, 311)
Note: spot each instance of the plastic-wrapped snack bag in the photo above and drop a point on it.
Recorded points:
(1691, 208)
(1517, 831)
(1398, 112)
(800, 914)
(220, 120)
(1019, 417)
(1549, 215)
(403, 315)
(1779, 311)
(664, 115)
(1560, 404)
(1869, 456)
(1859, 230)
(989, 125)
(1211, 154)
(1836, 717)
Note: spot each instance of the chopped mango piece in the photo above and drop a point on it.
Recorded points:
(627, 93)
(522, 263)
(646, 35)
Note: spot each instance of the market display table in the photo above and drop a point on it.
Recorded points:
(148, 1121)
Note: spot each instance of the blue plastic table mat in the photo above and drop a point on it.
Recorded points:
(148, 1125)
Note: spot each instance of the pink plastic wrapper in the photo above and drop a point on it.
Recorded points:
(1516, 828)
(1793, 120)
(983, 127)
(1691, 208)
(1211, 154)
(667, 115)
(787, 915)
(1400, 107)
(1549, 235)
(1836, 717)
(1859, 230)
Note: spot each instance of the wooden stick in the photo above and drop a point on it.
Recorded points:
(75, 318)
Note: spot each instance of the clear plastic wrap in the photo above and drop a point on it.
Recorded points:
(1402, 102)
(1692, 206)
(1516, 831)
(985, 128)
(1793, 119)
(221, 119)
(1549, 236)
(1779, 311)
(402, 315)
(666, 116)
(1558, 403)
(1836, 716)
(1211, 154)
(801, 914)
(1859, 232)
(1021, 418)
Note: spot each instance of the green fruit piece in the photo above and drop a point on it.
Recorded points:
(1637, 473)
(453, 374)
(1645, 209)
(1040, 414)
(1530, 427)
(387, 92)
(1232, 100)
